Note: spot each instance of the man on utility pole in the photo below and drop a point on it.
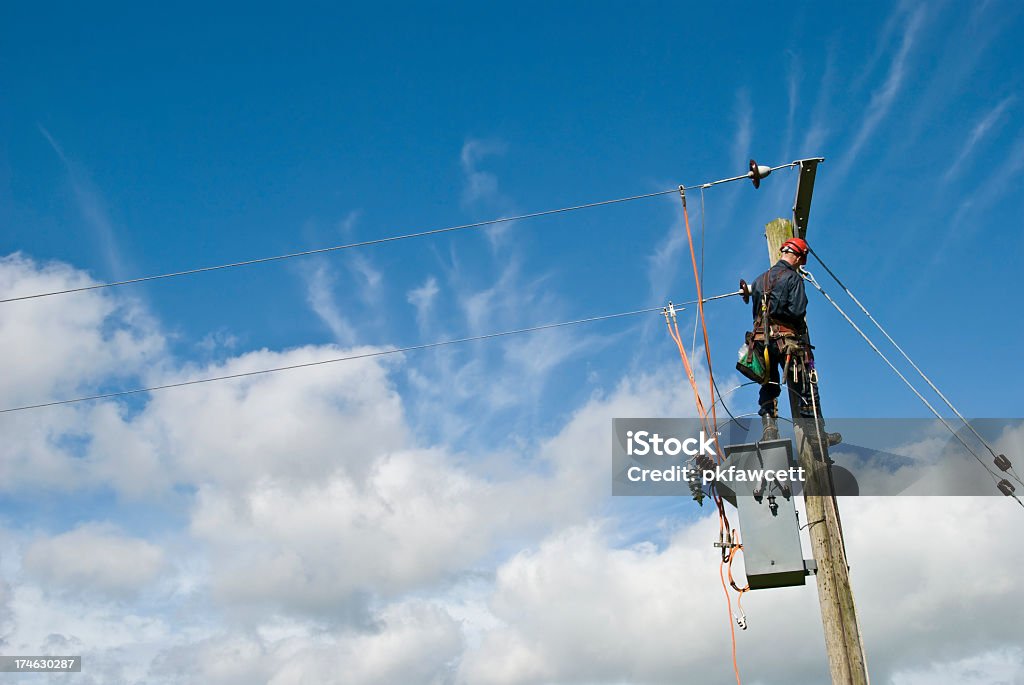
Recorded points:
(843, 640)
(779, 294)
(780, 335)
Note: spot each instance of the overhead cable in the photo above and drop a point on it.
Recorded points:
(810, 279)
(910, 361)
(378, 241)
(353, 357)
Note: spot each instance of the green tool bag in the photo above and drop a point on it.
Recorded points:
(751, 361)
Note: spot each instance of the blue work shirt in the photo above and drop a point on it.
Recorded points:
(787, 299)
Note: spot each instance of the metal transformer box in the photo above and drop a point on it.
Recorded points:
(768, 523)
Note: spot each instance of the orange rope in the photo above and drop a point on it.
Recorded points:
(725, 534)
(700, 309)
(736, 547)
(732, 629)
(677, 339)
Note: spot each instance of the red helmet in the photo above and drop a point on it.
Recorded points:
(797, 246)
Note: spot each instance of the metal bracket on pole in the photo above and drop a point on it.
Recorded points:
(804, 191)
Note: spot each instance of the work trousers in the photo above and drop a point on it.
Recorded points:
(804, 389)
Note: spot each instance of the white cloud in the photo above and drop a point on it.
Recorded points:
(370, 279)
(664, 260)
(91, 206)
(319, 294)
(883, 98)
(578, 610)
(481, 188)
(413, 642)
(997, 667)
(981, 129)
(743, 137)
(347, 225)
(480, 185)
(94, 558)
(323, 534)
(67, 344)
(422, 298)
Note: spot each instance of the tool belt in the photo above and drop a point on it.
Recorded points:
(775, 330)
(754, 359)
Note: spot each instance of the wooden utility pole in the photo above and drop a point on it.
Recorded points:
(838, 613)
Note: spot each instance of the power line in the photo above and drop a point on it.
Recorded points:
(365, 355)
(810, 279)
(378, 241)
(911, 362)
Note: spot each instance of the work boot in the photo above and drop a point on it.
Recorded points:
(832, 439)
(771, 428)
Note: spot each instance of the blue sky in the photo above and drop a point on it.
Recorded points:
(138, 140)
(198, 137)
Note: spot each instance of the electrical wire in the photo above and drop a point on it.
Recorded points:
(714, 383)
(726, 536)
(365, 355)
(376, 241)
(911, 361)
(810, 279)
(693, 344)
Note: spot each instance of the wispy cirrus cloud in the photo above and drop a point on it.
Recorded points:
(955, 67)
(320, 296)
(422, 299)
(91, 206)
(480, 189)
(885, 96)
(967, 219)
(794, 74)
(743, 113)
(337, 288)
(479, 185)
(981, 129)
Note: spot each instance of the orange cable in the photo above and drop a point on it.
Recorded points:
(732, 629)
(700, 309)
(724, 530)
(726, 535)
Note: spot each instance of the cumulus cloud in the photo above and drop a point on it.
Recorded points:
(325, 541)
(413, 642)
(94, 558)
(577, 609)
(70, 343)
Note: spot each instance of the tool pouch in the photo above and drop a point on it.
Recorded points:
(751, 360)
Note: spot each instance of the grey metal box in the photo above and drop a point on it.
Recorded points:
(768, 524)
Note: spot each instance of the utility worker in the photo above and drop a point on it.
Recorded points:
(780, 308)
